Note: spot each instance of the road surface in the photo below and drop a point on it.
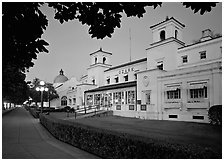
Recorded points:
(23, 137)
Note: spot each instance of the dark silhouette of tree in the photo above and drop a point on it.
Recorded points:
(35, 95)
(24, 23)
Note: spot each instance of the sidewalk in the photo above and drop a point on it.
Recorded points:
(23, 137)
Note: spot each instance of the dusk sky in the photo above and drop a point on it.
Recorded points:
(70, 44)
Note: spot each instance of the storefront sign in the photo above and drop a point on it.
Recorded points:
(123, 71)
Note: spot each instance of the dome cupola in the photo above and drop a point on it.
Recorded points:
(61, 78)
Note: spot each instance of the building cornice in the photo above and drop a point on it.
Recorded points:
(126, 64)
(166, 21)
(99, 64)
(199, 43)
(168, 40)
(100, 50)
(113, 86)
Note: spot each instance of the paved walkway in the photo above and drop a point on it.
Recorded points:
(23, 137)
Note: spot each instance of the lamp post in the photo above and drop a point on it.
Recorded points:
(41, 88)
(30, 99)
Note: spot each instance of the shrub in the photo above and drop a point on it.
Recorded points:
(35, 113)
(215, 115)
(114, 145)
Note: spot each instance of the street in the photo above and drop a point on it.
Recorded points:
(23, 137)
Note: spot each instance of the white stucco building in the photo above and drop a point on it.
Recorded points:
(174, 82)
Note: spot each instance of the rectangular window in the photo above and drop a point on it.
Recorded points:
(131, 97)
(203, 54)
(108, 81)
(97, 99)
(89, 100)
(118, 107)
(198, 93)
(126, 78)
(173, 116)
(74, 101)
(116, 80)
(102, 99)
(117, 98)
(131, 107)
(147, 97)
(198, 117)
(174, 94)
(135, 75)
(143, 107)
(160, 65)
(184, 59)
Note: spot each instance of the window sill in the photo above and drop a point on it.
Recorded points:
(173, 101)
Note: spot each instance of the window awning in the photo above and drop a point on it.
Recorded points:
(172, 88)
(125, 75)
(197, 86)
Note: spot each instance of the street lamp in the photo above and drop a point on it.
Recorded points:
(30, 99)
(42, 88)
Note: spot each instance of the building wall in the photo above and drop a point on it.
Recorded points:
(130, 70)
(147, 84)
(165, 51)
(212, 48)
(185, 107)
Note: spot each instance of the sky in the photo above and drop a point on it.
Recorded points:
(70, 44)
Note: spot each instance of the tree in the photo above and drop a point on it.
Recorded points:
(47, 96)
(24, 23)
(104, 17)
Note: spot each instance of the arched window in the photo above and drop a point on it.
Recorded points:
(64, 101)
(95, 60)
(162, 35)
(104, 60)
(176, 32)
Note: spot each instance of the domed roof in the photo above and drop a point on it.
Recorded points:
(60, 78)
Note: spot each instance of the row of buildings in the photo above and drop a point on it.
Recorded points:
(174, 81)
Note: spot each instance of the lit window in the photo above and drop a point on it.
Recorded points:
(203, 55)
(184, 59)
(160, 65)
(131, 97)
(97, 99)
(89, 100)
(117, 97)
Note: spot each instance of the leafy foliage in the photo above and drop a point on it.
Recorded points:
(200, 6)
(35, 95)
(23, 25)
(116, 145)
(215, 115)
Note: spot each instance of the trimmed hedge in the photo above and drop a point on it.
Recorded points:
(34, 112)
(114, 145)
(215, 115)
